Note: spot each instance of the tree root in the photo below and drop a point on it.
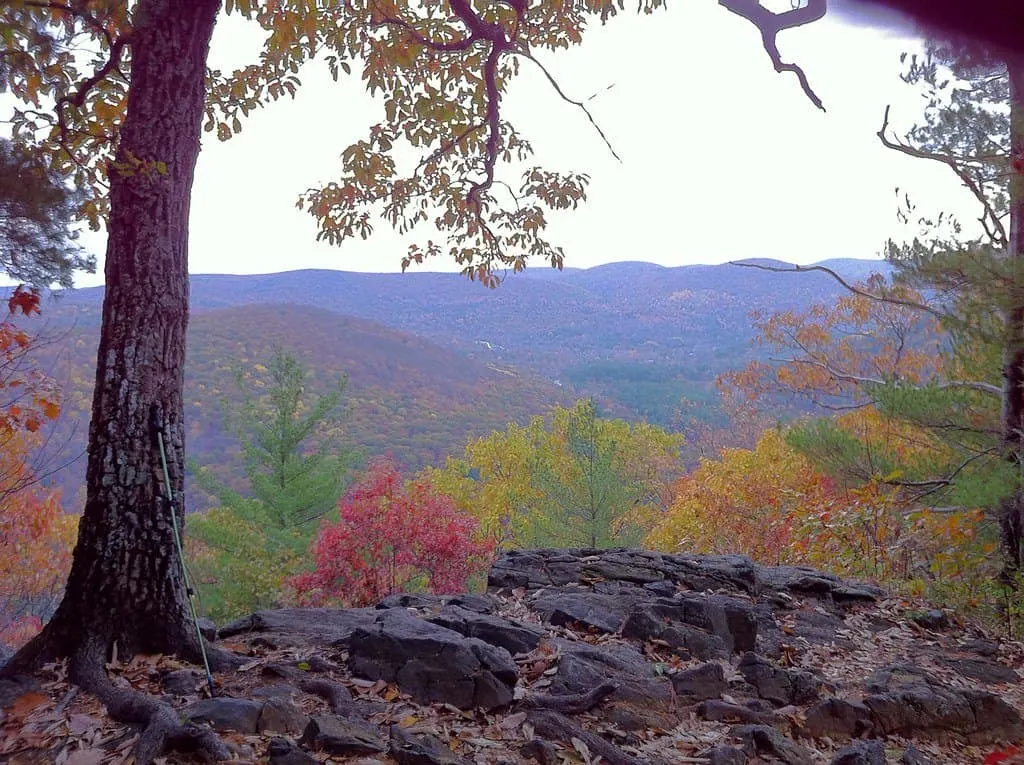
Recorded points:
(162, 728)
(558, 727)
(570, 703)
(335, 694)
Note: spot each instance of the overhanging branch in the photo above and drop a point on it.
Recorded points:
(989, 219)
(892, 300)
(770, 24)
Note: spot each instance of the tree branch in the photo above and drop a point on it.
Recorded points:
(522, 51)
(770, 24)
(975, 385)
(795, 269)
(998, 237)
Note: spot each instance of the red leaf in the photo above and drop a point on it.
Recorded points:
(25, 300)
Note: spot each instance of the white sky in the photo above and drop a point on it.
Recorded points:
(723, 158)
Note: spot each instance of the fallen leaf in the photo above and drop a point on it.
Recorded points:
(22, 706)
(87, 757)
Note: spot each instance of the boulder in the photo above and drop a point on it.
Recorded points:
(420, 749)
(224, 713)
(861, 753)
(514, 637)
(763, 739)
(342, 736)
(281, 715)
(779, 685)
(704, 682)
(432, 663)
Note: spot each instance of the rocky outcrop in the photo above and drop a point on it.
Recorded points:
(627, 655)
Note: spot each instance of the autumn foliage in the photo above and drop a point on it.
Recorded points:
(392, 536)
(35, 535)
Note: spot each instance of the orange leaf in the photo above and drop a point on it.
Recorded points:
(23, 706)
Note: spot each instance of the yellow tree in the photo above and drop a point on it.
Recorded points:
(574, 480)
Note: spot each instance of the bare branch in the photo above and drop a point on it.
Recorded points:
(770, 24)
(522, 51)
(795, 269)
(998, 237)
(975, 385)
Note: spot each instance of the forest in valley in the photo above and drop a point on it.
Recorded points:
(230, 444)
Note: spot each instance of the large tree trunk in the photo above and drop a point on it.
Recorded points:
(125, 585)
(1012, 518)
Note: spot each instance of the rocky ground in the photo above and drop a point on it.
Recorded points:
(616, 657)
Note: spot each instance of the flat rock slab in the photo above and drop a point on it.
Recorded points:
(538, 569)
(421, 749)
(224, 713)
(432, 663)
(514, 637)
(343, 736)
(285, 627)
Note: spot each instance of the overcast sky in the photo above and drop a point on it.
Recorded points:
(722, 157)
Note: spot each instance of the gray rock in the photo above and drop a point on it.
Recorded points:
(281, 715)
(725, 755)
(583, 667)
(988, 672)
(763, 739)
(533, 569)
(717, 710)
(861, 753)
(421, 749)
(932, 620)
(542, 751)
(514, 637)
(912, 756)
(704, 682)
(649, 622)
(432, 663)
(837, 718)
(779, 685)
(283, 752)
(706, 627)
(481, 604)
(285, 627)
(909, 701)
(275, 690)
(892, 677)
(981, 646)
(183, 682)
(208, 628)
(224, 713)
(598, 611)
(342, 736)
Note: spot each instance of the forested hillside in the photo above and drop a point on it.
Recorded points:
(638, 335)
(406, 396)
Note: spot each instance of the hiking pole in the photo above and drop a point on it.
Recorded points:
(168, 497)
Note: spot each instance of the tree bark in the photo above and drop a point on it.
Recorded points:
(125, 586)
(1012, 516)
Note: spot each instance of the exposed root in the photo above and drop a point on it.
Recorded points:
(162, 729)
(570, 703)
(335, 694)
(558, 727)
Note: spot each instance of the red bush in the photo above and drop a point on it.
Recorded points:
(392, 536)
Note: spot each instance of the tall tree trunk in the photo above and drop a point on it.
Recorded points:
(1012, 519)
(125, 585)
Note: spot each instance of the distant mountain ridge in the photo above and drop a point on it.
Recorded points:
(589, 328)
(434, 359)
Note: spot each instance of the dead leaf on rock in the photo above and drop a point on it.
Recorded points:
(87, 757)
(24, 705)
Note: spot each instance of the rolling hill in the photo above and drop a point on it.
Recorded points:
(434, 360)
(406, 396)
